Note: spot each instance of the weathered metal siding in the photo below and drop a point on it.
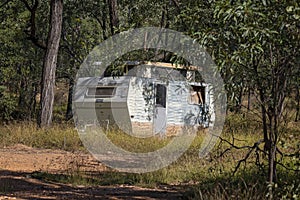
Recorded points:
(210, 96)
(177, 97)
(107, 110)
(198, 114)
(181, 112)
(140, 103)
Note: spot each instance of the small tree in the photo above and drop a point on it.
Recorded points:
(254, 52)
(50, 60)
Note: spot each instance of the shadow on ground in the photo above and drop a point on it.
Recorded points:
(27, 186)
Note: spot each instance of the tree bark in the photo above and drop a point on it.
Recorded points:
(113, 15)
(32, 113)
(298, 104)
(104, 27)
(238, 106)
(50, 61)
(21, 101)
(69, 113)
(249, 100)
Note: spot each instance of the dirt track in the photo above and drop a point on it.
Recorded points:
(17, 163)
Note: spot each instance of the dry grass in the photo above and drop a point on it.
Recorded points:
(60, 136)
(208, 178)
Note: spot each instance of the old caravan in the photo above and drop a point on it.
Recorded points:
(147, 99)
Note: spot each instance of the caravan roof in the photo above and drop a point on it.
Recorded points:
(134, 68)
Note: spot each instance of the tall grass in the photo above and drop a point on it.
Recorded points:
(207, 178)
(59, 136)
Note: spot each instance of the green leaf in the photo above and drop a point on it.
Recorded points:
(290, 8)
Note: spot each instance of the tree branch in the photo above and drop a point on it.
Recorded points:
(2, 5)
(27, 5)
(176, 3)
(255, 147)
(32, 25)
(244, 160)
(287, 168)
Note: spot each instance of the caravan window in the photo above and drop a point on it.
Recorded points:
(160, 97)
(197, 95)
(101, 92)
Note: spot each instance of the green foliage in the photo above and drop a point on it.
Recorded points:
(290, 191)
(250, 185)
(20, 62)
(241, 123)
(7, 104)
(254, 44)
(248, 46)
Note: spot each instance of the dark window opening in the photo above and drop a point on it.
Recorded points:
(161, 92)
(103, 92)
(128, 68)
(183, 72)
(197, 95)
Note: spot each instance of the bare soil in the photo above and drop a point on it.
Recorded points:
(19, 162)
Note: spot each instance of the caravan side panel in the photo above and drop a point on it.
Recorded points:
(140, 102)
(176, 102)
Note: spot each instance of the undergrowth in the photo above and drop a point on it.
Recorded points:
(207, 178)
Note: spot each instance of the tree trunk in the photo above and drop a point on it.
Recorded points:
(69, 113)
(32, 113)
(298, 104)
(49, 66)
(249, 100)
(104, 27)
(272, 169)
(113, 15)
(21, 101)
(264, 119)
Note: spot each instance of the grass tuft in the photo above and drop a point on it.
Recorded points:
(208, 178)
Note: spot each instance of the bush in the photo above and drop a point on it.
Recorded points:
(7, 104)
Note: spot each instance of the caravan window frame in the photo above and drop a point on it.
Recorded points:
(95, 95)
(202, 94)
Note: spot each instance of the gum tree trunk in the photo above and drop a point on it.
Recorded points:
(49, 66)
(69, 113)
(113, 15)
(298, 104)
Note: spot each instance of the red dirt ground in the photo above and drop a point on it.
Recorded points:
(17, 163)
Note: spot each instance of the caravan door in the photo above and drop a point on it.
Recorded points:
(160, 115)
